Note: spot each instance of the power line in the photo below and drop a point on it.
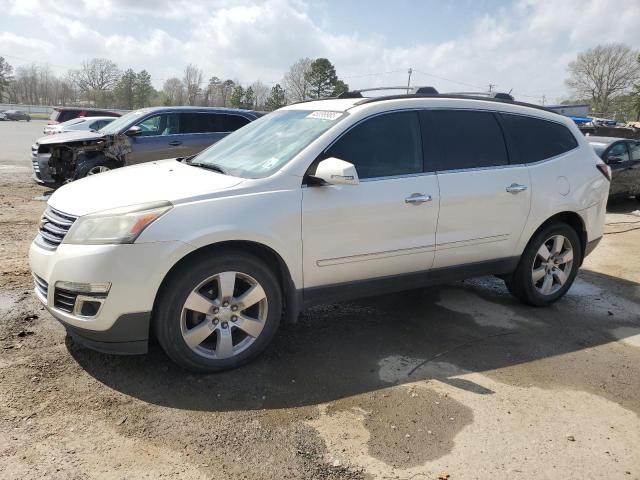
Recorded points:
(447, 79)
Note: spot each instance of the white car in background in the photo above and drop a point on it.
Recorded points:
(78, 124)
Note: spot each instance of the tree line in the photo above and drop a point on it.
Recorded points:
(606, 76)
(99, 82)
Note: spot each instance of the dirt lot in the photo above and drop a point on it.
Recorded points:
(458, 380)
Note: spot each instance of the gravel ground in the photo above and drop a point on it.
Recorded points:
(458, 380)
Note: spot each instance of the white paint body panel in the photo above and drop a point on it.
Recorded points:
(479, 219)
(355, 232)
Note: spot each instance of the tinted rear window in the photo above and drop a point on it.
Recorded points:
(200, 123)
(65, 115)
(467, 139)
(231, 123)
(536, 139)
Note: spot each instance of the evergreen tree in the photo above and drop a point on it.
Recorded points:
(237, 97)
(143, 91)
(124, 90)
(321, 77)
(249, 100)
(276, 98)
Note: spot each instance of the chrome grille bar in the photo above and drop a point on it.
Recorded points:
(53, 228)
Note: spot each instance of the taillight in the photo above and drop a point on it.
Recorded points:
(604, 170)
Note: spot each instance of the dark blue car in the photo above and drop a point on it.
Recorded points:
(139, 136)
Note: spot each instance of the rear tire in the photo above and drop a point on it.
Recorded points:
(219, 312)
(548, 266)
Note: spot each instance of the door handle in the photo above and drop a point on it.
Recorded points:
(175, 143)
(516, 188)
(417, 199)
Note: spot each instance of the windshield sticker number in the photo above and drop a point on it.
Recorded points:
(324, 115)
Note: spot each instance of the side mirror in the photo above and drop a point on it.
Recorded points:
(133, 131)
(334, 171)
(613, 159)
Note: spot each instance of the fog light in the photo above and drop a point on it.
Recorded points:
(77, 287)
(87, 308)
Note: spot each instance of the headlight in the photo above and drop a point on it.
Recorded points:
(120, 225)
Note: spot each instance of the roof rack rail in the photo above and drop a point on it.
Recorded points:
(408, 91)
(421, 92)
(499, 95)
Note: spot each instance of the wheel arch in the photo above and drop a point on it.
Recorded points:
(291, 296)
(574, 220)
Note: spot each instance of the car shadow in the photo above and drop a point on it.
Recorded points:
(341, 350)
(624, 205)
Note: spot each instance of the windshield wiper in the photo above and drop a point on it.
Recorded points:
(209, 166)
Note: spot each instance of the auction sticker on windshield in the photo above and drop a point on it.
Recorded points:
(324, 115)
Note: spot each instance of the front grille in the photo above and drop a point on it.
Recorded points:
(36, 165)
(53, 228)
(41, 286)
(64, 300)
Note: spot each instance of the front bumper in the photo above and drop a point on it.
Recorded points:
(135, 272)
(41, 172)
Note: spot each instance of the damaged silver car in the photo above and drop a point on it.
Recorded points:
(139, 136)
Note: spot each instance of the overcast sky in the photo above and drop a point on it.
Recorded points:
(460, 45)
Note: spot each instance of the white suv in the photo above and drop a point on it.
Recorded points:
(318, 202)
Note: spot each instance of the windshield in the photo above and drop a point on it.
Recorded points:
(118, 124)
(264, 146)
(599, 147)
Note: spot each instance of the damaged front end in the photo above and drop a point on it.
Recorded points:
(57, 161)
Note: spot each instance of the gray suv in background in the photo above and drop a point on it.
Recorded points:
(139, 136)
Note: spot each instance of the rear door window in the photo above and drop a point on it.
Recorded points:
(467, 139)
(536, 139)
(634, 149)
(618, 152)
(382, 146)
(200, 122)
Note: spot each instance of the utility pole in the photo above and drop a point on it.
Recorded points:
(544, 99)
(491, 85)
(409, 80)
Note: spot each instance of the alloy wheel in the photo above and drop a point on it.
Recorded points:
(224, 315)
(98, 169)
(552, 265)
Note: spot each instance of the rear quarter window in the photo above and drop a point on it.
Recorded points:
(65, 115)
(536, 139)
(231, 123)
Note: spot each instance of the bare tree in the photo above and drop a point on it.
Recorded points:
(295, 81)
(96, 78)
(192, 80)
(602, 73)
(260, 93)
(174, 91)
(5, 77)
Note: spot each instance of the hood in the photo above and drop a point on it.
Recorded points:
(148, 182)
(66, 137)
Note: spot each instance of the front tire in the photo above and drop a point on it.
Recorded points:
(548, 266)
(217, 313)
(94, 166)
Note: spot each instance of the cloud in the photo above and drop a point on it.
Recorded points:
(524, 46)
